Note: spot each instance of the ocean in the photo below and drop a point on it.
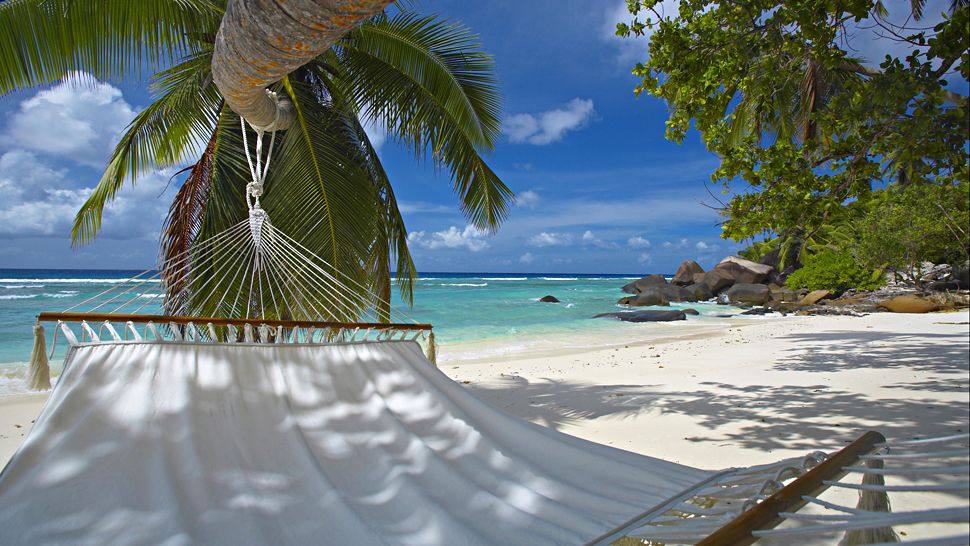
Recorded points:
(475, 315)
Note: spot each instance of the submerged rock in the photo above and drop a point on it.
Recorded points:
(690, 311)
(549, 299)
(645, 315)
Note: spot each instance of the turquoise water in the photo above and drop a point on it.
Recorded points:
(475, 315)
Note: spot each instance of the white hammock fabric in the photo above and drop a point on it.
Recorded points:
(174, 437)
(356, 443)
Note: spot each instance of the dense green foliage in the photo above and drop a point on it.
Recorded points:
(804, 128)
(904, 227)
(425, 80)
(835, 271)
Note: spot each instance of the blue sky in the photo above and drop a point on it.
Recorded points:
(600, 189)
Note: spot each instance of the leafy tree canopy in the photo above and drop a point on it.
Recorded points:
(775, 89)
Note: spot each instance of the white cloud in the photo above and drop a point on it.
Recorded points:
(470, 238)
(79, 118)
(701, 245)
(550, 239)
(589, 238)
(549, 126)
(637, 242)
(527, 258)
(421, 207)
(528, 198)
(44, 217)
(38, 201)
(645, 258)
(683, 243)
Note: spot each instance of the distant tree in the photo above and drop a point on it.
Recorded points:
(777, 91)
(906, 226)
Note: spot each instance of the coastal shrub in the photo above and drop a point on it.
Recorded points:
(835, 271)
(906, 226)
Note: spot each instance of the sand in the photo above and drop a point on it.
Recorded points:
(751, 394)
(756, 392)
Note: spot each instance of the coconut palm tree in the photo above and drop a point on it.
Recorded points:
(424, 80)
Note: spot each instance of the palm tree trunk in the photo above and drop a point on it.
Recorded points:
(260, 41)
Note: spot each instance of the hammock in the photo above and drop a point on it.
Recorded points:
(365, 442)
(270, 404)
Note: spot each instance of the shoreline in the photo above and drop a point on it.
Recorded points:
(756, 388)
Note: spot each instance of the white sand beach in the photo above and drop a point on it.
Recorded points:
(748, 395)
(751, 394)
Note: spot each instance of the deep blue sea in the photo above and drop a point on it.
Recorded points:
(475, 315)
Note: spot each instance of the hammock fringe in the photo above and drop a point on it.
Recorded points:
(432, 350)
(872, 501)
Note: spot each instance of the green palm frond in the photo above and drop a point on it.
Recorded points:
(444, 59)
(392, 241)
(43, 41)
(395, 84)
(316, 168)
(177, 123)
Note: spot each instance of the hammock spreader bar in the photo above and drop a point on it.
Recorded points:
(766, 514)
(221, 321)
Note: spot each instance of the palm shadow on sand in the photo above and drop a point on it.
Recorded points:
(768, 417)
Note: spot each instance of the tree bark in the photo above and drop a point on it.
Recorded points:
(260, 41)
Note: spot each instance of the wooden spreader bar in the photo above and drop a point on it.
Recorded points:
(216, 321)
(764, 515)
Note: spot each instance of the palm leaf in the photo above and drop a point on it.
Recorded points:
(43, 41)
(394, 86)
(444, 59)
(177, 123)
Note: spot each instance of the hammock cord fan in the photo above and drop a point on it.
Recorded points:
(250, 283)
(270, 404)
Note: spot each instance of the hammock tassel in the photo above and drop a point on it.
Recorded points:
(872, 501)
(432, 350)
(39, 372)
